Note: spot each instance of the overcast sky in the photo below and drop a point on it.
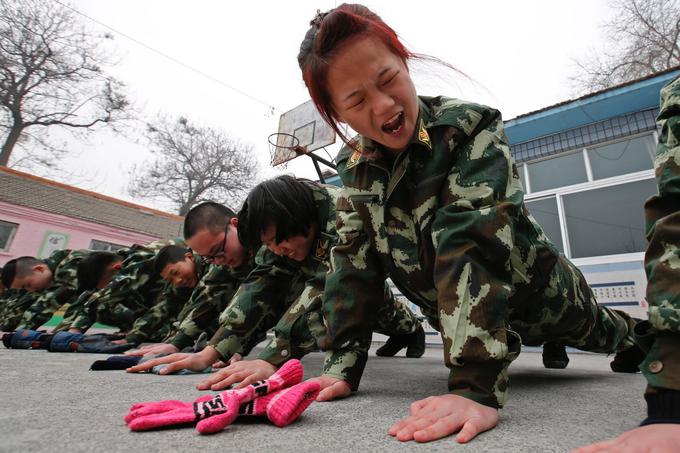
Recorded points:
(518, 53)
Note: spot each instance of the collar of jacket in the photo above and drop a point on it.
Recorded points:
(325, 207)
(363, 149)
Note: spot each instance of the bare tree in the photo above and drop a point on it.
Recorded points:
(642, 38)
(193, 164)
(50, 76)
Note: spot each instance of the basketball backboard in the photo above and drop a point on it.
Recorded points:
(310, 131)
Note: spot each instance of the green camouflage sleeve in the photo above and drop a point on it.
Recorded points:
(352, 294)
(256, 307)
(45, 305)
(132, 292)
(84, 313)
(473, 234)
(15, 303)
(64, 288)
(74, 310)
(161, 315)
(662, 260)
(200, 314)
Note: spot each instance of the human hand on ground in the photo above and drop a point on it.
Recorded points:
(221, 364)
(180, 361)
(440, 416)
(332, 388)
(156, 349)
(657, 438)
(241, 373)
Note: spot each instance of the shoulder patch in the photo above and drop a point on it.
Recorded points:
(423, 136)
(353, 159)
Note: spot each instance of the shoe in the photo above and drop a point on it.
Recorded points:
(415, 347)
(628, 361)
(555, 356)
(413, 342)
(394, 344)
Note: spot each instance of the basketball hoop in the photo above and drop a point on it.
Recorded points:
(284, 147)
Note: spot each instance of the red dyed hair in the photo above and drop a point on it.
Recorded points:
(328, 32)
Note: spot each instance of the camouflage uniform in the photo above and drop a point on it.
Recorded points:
(210, 297)
(63, 290)
(662, 262)
(14, 304)
(157, 322)
(446, 221)
(132, 292)
(288, 297)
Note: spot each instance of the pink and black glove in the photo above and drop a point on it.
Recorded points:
(281, 407)
(214, 413)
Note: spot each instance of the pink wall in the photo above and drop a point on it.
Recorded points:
(35, 226)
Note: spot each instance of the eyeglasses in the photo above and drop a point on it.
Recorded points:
(220, 253)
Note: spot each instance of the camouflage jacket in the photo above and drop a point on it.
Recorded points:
(279, 291)
(13, 304)
(446, 221)
(166, 310)
(131, 293)
(63, 290)
(662, 260)
(210, 297)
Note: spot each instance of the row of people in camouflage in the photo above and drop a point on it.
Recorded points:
(166, 292)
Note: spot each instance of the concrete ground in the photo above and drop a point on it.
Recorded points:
(51, 402)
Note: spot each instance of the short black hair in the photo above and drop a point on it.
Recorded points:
(170, 254)
(18, 267)
(210, 215)
(92, 268)
(285, 201)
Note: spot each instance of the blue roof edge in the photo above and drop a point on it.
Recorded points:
(633, 97)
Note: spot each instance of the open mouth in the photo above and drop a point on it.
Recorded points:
(395, 124)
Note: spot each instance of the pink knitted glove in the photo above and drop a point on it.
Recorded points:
(224, 406)
(282, 407)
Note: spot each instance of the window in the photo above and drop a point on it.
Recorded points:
(104, 246)
(557, 172)
(546, 214)
(619, 158)
(7, 231)
(609, 220)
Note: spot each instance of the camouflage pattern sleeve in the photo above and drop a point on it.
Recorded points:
(353, 291)
(44, 306)
(201, 313)
(473, 233)
(157, 321)
(131, 293)
(14, 305)
(662, 260)
(84, 314)
(64, 288)
(256, 307)
(73, 311)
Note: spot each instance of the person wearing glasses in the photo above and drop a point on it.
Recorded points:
(210, 231)
(284, 290)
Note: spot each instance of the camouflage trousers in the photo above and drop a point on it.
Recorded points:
(566, 311)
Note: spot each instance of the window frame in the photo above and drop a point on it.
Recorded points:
(108, 244)
(12, 235)
(591, 184)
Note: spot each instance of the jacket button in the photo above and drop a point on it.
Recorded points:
(284, 352)
(655, 366)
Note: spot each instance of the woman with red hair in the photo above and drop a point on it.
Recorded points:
(432, 199)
